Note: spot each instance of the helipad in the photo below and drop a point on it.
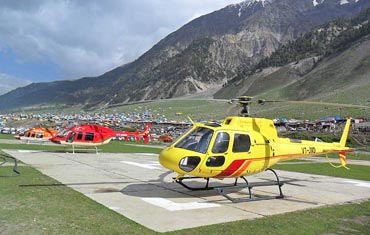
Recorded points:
(136, 186)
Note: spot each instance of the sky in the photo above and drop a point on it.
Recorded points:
(46, 40)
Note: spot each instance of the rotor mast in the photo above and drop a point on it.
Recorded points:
(244, 102)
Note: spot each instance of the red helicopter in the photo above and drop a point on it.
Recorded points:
(95, 135)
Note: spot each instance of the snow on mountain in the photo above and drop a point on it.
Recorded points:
(243, 6)
(317, 2)
(247, 3)
(341, 2)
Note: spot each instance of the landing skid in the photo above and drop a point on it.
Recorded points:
(250, 186)
(222, 189)
(4, 158)
(85, 149)
(207, 187)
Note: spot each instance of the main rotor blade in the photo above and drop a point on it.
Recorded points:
(318, 103)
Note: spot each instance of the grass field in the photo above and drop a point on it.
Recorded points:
(7, 136)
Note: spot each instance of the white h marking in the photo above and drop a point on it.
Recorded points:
(152, 166)
(359, 183)
(174, 206)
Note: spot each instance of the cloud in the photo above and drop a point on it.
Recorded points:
(88, 38)
(8, 83)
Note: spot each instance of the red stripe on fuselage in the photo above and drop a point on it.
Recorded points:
(235, 165)
(242, 169)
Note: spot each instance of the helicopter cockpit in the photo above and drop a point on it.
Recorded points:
(63, 133)
(197, 140)
(211, 143)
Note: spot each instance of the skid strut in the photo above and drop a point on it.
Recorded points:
(250, 186)
(4, 159)
(179, 181)
(222, 189)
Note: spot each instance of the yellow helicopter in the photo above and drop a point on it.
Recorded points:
(239, 147)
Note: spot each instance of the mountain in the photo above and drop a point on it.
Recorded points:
(8, 83)
(209, 50)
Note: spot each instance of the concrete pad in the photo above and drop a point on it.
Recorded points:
(136, 186)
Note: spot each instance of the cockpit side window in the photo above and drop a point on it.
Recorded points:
(221, 143)
(242, 143)
(79, 135)
(197, 140)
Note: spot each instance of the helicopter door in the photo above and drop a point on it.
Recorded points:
(221, 143)
(242, 143)
(241, 152)
(216, 158)
(71, 137)
(79, 135)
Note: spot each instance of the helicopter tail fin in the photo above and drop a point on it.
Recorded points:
(147, 127)
(342, 143)
(343, 139)
(146, 132)
(342, 150)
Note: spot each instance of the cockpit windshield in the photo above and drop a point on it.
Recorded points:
(197, 140)
(63, 133)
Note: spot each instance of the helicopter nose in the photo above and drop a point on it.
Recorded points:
(168, 161)
(179, 160)
(54, 140)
